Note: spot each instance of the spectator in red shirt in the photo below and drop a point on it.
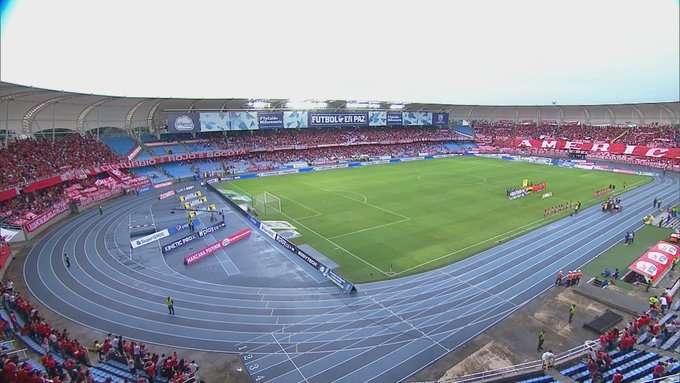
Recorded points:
(659, 370)
(9, 371)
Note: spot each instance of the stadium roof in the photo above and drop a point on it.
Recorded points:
(27, 110)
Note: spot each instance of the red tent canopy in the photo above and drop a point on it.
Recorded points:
(656, 261)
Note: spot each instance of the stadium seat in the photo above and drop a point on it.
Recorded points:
(122, 145)
(178, 170)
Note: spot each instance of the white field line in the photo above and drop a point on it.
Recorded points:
(310, 216)
(363, 197)
(370, 228)
(326, 238)
(521, 229)
(339, 194)
(336, 245)
(318, 213)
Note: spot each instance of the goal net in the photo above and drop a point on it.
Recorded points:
(267, 203)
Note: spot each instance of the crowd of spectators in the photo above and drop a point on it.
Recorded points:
(267, 160)
(31, 159)
(27, 206)
(65, 359)
(598, 359)
(659, 163)
(656, 135)
(260, 140)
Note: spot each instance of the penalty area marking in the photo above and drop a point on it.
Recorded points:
(365, 202)
(326, 238)
(371, 228)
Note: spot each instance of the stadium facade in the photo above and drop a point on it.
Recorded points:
(27, 110)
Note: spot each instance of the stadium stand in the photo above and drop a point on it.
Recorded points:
(115, 359)
(154, 174)
(27, 206)
(146, 137)
(657, 135)
(32, 159)
(122, 145)
(178, 170)
(208, 166)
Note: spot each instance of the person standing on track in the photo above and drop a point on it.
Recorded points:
(541, 339)
(101, 211)
(171, 305)
(572, 311)
(558, 279)
(67, 261)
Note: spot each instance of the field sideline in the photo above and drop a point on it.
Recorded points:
(385, 221)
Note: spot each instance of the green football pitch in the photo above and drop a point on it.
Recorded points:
(386, 221)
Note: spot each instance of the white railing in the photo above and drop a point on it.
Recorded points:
(518, 369)
(21, 354)
(665, 379)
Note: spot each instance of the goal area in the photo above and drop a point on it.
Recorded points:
(266, 203)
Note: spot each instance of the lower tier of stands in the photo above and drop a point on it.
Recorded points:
(154, 175)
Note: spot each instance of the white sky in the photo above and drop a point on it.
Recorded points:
(462, 51)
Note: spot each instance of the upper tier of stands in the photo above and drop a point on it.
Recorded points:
(650, 135)
(32, 159)
(121, 145)
(289, 138)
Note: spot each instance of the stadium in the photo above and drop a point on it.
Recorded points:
(236, 238)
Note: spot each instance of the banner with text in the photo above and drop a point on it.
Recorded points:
(193, 236)
(47, 216)
(395, 119)
(162, 234)
(587, 146)
(270, 120)
(338, 119)
(197, 256)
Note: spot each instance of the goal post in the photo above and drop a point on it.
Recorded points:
(267, 203)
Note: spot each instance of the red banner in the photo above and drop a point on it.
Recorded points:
(5, 253)
(587, 146)
(166, 159)
(167, 194)
(162, 184)
(47, 216)
(8, 194)
(197, 256)
(136, 183)
(42, 184)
